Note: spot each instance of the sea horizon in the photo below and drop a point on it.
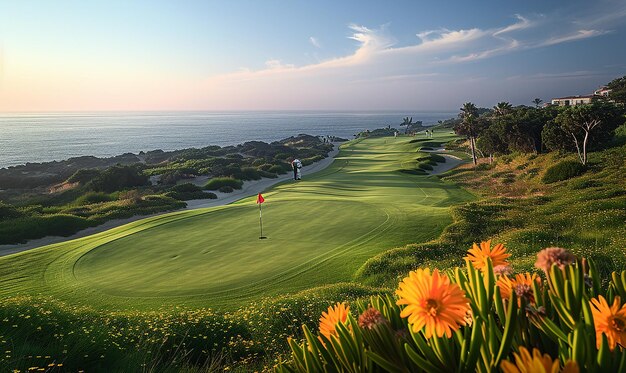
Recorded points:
(35, 137)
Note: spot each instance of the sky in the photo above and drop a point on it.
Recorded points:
(303, 55)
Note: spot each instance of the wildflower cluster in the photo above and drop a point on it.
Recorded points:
(484, 317)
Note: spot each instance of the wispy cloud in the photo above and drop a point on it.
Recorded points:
(522, 24)
(576, 35)
(315, 42)
(379, 61)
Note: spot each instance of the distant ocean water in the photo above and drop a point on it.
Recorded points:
(42, 137)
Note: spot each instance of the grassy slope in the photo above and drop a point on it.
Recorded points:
(586, 214)
(320, 230)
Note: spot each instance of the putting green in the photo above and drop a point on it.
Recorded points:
(319, 231)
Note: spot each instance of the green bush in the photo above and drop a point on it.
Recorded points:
(425, 166)
(438, 158)
(93, 197)
(226, 189)
(413, 172)
(311, 160)
(83, 176)
(8, 212)
(188, 191)
(218, 182)
(267, 174)
(30, 227)
(563, 171)
(118, 178)
(250, 173)
(279, 169)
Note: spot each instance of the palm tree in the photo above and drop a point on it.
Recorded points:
(502, 108)
(469, 125)
(537, 102)
(408, 122)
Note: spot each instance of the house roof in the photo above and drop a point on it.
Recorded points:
(573, 97)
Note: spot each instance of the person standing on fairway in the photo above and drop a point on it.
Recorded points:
(297, 166)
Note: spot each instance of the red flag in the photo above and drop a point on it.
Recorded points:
(260, 199)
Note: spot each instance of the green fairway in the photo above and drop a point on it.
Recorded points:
(320, 230)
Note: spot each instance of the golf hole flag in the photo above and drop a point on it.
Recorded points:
(259, 201)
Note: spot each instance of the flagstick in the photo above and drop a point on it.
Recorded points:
(261, 220)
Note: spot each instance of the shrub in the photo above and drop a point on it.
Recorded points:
(311, 160)
(93, 197)
(8, 211)
(83, 176)
(29, 227)
(188, 191)
(483, 167)
(413, 172)
(186, 188)
(218, 182)
(563, 171)
(267, 174)
(226, 189)
(118, 178)
(583, 184)
(425, 166)
(279, 168)
(250, 173)
(438, 158)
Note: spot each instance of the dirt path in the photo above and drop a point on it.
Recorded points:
(249, 188)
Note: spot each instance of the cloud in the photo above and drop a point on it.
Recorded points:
(276, 65)
(315, 42)
(523, 24)
(381, 67)
(577, 35)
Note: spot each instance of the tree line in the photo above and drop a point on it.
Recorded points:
(505, 129)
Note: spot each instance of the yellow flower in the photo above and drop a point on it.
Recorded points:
(522, 284)
(432, 303)
(336, 314)
(610, 320)
(477, 255)
(525, 363)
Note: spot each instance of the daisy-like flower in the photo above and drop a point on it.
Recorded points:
(550, 256)
(536, 363)
(329, 320)
(432, 303)
(609, 320)
(478, 254)
(521, 284)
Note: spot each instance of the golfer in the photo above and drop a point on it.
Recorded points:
(296, 165)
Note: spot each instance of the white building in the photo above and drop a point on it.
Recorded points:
(581, 100)
(572, 100)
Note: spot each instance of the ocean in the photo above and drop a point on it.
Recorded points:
(42, 137)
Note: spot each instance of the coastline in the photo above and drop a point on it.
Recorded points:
(248, 189)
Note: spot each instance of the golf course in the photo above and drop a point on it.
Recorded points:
(319, 231)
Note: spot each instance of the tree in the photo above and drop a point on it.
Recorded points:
(407, 122)
(469, 126)
(537, 101)
(491, 142)
(589, 125)
(618, 90)
(502, 108)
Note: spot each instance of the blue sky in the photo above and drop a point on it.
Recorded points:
(315, 55)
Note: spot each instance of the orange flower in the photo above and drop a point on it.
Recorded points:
(610, 320)
(525, 363)
(522, 284)
(477, 255)
(329, 320)
(432, 303)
